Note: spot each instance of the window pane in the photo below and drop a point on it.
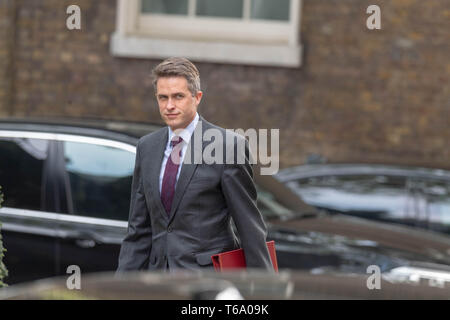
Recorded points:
(270, 10)
(21, 167)
(376, 197)
(165, 6)
(220, 8)
(100, 179)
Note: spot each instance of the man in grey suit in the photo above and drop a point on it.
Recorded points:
(181, 208)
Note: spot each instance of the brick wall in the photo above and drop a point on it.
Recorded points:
(7, 28)
(360, 95)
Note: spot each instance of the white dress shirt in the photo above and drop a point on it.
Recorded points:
(185, 134)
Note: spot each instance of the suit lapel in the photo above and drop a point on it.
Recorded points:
(159, 147)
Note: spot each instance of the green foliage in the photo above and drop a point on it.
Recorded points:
(3, 271)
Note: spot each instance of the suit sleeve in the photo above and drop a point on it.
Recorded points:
(240, 194)
(135, 249)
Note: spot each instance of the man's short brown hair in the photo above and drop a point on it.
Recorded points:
(178, 67)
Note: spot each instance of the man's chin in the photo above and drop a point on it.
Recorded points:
(173, 124)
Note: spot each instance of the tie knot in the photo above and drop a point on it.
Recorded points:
(175, 140)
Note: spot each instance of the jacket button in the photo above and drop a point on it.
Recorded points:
(169, 229)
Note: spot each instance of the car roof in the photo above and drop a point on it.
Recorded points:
(122, 131)
(136, 129)
(317, 170)
(207, 284)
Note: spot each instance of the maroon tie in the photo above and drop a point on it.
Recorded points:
(170, 175)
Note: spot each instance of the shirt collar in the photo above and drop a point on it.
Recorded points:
(187, 132)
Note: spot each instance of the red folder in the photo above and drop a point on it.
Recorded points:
(235, 259)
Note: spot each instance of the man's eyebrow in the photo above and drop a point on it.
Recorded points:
(161, 95)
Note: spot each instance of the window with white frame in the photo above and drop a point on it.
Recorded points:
(260, 32)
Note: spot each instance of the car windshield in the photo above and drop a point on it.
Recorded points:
(269, 206)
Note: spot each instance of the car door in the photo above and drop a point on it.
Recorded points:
(29, 222)
(98, 175)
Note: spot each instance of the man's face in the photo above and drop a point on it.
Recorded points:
(177, 106)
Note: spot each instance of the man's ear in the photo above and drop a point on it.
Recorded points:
(198, 96)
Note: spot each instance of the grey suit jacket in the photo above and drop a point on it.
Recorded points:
(206, 197)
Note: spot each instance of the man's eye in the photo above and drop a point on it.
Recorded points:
(162, 98)
(179, 96)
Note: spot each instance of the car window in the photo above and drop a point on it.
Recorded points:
(437, 196)
(100, 179)
(378, 197)
(21, 171)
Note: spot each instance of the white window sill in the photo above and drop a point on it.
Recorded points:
(132, 46)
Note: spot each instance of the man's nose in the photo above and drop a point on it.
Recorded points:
(170, 104)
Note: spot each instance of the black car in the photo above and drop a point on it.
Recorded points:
(67, 190)
(412, 196)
